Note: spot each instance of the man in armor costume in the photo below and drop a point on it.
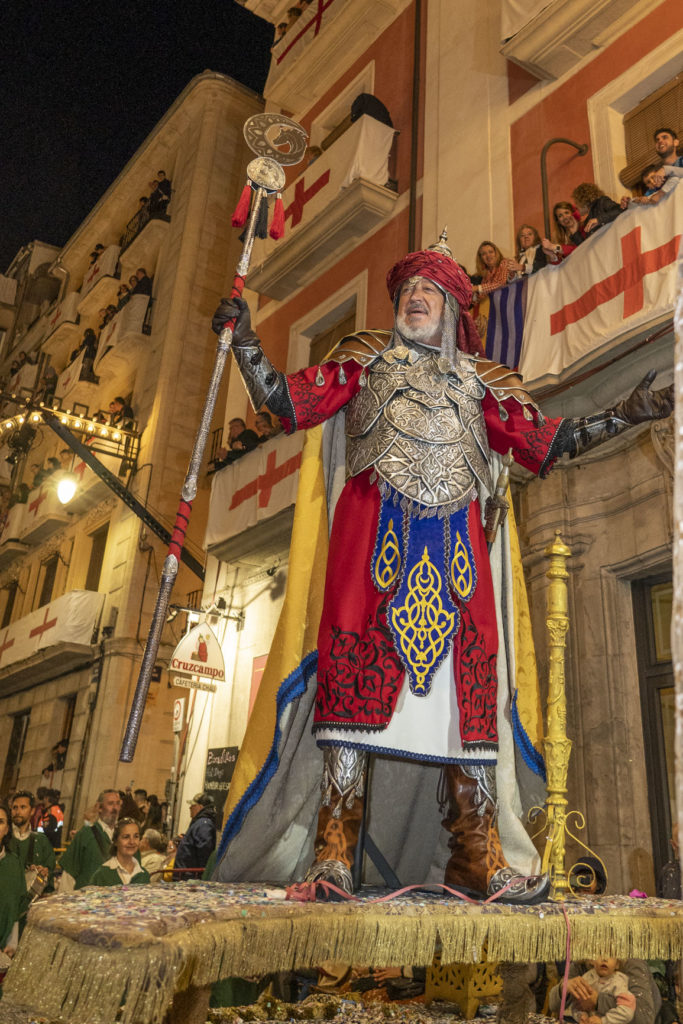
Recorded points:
(408, 640)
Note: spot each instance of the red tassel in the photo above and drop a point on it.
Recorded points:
(277, 227)
(239, 217)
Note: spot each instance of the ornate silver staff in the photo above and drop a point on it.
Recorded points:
(276, 140)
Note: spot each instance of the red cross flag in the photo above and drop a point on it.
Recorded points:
(619, 281)
(255, 487)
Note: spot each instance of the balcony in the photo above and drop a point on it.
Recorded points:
(56, 638)
(138, 251)
(8, 290)
(328, 210)
(100, 284)
(91, 489)
(62, 331)
(561, 33)
(305, 62)
(121, 342)
(249, 499)
(603, 314)
(10, 545)
(43, 514)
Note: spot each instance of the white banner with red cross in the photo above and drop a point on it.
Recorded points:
(619, 280)
(69, 619)
(255, 487)
(65, 312)
(69, 377)
(104, 267)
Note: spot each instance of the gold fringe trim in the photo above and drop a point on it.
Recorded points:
(89, 984)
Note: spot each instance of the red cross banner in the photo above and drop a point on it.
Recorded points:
(69, 377)
(255, 487)
(619, 281)
(105, 267)
(66, 312)
(70, 619)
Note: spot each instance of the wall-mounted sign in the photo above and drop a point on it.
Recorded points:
(197, 662)
(178, 714)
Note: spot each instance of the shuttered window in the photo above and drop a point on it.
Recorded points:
(661, 109)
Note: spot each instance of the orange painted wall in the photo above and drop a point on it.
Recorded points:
(393, 56)
(564, 113)
(392, 53)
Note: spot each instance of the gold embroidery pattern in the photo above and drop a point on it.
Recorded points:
(461, 569)
(388, 564)
(421, 624)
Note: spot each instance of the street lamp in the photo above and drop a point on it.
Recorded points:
(66, 487)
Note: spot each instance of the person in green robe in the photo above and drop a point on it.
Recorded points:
(34, 850)
(12, 887)
(89, 848)
(123, 867)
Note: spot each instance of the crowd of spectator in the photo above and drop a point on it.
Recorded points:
(241, 439)
(573, 222)
(122, 840)
(293, 14)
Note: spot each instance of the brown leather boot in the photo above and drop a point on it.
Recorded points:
(340, 816)
(477, 862)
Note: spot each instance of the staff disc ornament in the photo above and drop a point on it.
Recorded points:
(277, 137)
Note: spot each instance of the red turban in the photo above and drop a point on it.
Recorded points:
(450, 276)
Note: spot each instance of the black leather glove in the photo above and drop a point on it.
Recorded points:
(643, 404)
(242, 333)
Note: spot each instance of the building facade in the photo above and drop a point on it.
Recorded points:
(78, 582)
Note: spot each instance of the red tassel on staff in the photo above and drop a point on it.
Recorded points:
(277, 227)
(239, 217)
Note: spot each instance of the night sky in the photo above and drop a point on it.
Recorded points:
(82, 85)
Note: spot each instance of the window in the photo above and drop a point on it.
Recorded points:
(15, 752)
(10, 593)
(48, 573)
(661, 109)
(98, 542)
(324, 341)
(69, 712)
(652, 604)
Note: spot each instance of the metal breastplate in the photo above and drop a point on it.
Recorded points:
(418, 422)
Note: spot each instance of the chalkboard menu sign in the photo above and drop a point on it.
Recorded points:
(220, 764)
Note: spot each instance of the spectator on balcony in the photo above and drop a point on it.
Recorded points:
(96, 253)
(530, 254)
(143, 203)
(293, 13)
(121, 414)
(567, 232)
(39, 474)
(279, 33)
(596, 208)
(164, 184)
(494, 269)
(657, 181)
(240, 441)
(265, 427)
(122, 296)
(666, 145)
(89, 348)
(47, 385)
(143, 283)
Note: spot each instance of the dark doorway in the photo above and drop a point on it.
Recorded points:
(652, 604)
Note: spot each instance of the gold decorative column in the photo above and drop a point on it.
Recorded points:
(556, 744)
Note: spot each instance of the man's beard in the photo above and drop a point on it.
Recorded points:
(422, 335)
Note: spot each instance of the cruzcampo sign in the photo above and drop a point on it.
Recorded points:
(197, 662)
